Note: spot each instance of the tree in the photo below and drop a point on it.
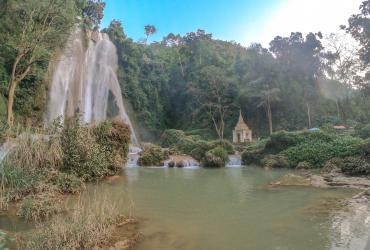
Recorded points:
(175, 41)
(93, 12)
(149, 30)
(32, 30)
(268, 97)
(215, 94)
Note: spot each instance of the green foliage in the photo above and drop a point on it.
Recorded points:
(355, 166)
(215, 158)
(225, 144)
(171, 137)
(364, 132)
(41, 207)
(275, 161)
(82, 155)
(67, 183)
(253, 156)
(114, 137)
(152, 156)
(318, 152)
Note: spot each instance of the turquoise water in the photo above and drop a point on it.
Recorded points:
(231, 208)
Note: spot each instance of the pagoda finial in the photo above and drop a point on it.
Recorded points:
(240, 116)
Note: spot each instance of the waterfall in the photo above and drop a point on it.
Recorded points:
(85, 81)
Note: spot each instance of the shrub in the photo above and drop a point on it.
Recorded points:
(171, 137)
(275, 161)
(364, 147)
(17, 182)
(67, 183)
(200, 149)
(152, 156)
(82, 155)
(355, 166)
(364, 132)
(114, 136)
(317, 152)
(282, 140)
(225, 144)
(39, 207)
(4, 240)
(252, 156)
(215, 158)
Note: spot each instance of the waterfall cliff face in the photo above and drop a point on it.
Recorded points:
(85, 82)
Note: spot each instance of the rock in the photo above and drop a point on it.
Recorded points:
(304, 165)
(292, 180)
(275, 161)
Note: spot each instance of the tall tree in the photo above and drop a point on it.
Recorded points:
(32, 29)
(149, 30)
(267, 98)
(215, 95)
(176, 42)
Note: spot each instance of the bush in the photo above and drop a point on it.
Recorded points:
(171, 137)
(82, 155)
(364, 132)
(115, 137)
(17, 182)
(67, 183)
(318, 152)
(225, 144)
(200, 149)
(152, 156)
(39, 207)
(252, 156)
(364, 148)
(275, 161)
(283, 140)
(215, 158)
(355, 166)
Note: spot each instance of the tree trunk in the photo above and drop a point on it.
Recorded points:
(9, 108)
(182, 69)
(337, 104)
(308, 115)
(269, 114)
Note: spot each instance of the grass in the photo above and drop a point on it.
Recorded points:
(90, 225)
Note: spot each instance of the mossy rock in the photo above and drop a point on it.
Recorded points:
(215, 158)
(293, 180)
(252, 156)
(355, 166)
(304, 165)
(275, 161)
(153, 156)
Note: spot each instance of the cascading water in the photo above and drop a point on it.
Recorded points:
(85, 82)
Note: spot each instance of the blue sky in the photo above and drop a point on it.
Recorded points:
(244, 21)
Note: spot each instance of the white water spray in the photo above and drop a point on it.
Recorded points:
(84, 81)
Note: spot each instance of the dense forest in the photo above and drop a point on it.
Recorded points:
(194, 82)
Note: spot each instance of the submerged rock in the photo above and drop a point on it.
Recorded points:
(292, 180)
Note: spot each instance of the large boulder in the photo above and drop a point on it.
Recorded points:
(275, 161)
(215, 158)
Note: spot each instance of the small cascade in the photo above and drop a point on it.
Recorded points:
(5, 149)
(85, 82)
(133, 156)
(181, 161)
(234, 161)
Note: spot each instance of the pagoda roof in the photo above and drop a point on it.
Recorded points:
(241, 125)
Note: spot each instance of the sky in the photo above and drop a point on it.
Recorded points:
(243, 21)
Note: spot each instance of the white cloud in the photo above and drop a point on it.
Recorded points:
(305, 16)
